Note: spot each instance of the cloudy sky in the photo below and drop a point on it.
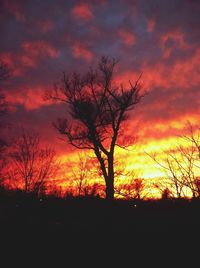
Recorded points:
(160, 38)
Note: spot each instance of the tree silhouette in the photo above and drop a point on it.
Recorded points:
(181, 165)
(97, 107)
(81, 173)
(4, 74)
(3, 109)
(31, 166)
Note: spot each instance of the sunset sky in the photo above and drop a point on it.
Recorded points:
(158, 38)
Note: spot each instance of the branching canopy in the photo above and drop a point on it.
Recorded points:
(97, 105)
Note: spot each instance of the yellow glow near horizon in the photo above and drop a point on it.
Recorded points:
(137, 160)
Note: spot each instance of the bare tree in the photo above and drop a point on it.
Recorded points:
(31, 166)
(4, 74)
(3, 143)
(167, 184)
(181, 165)
(98, 107)
(84, 178)
(81, 173)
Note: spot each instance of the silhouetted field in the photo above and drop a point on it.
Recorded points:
(91, 227)
(24, 213)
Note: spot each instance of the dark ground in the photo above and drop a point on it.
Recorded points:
(144, 231)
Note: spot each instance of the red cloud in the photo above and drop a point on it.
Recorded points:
(127, 37)
(33, 52)
(82, 11)
(46, 26)
(14, 8)
(10, 59)
(30, 56)
(40, 48)
(82, 52)
(31, 98)
(176, 36)
(150, 25)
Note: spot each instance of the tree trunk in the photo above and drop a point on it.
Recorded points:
(108, 174)
(110, 179)
(110, 189)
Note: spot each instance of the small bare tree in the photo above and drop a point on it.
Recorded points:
(83, 178)
(98, 107)
(81, 174)
(181, 165)
(31, 166)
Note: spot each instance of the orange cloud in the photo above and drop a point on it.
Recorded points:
(82, 52)
(82, 11)
(127, 37)
(182, 74)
